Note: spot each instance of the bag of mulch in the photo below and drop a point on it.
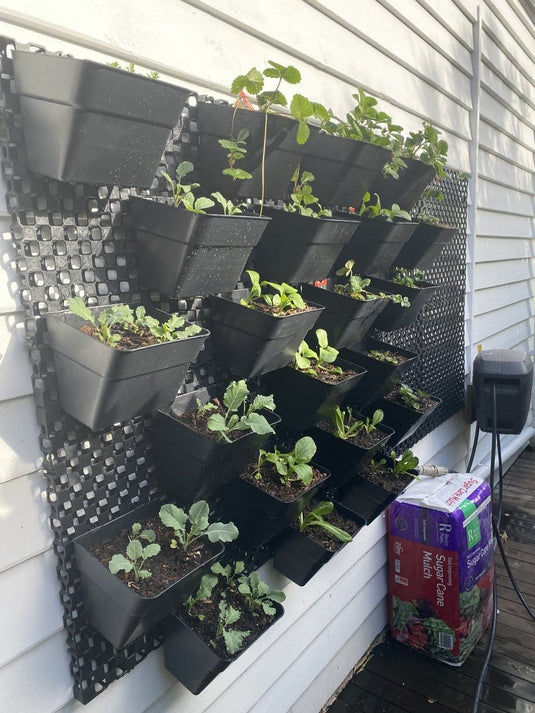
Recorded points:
(441, 567)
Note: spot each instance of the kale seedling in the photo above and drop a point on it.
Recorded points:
(408, 278)
(293, 466)
(233, 638)
(348, 427)
(240, 414)
(183, 194)
(311, 362)
(195, 524)
(284, 299)
(257, 595)
(303, 200)
(123, 317)
(136, 554)
(316, 518)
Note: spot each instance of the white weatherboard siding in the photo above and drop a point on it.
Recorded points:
(420, 62)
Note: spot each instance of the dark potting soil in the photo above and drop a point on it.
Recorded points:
(166, 567)
(263, 307)
(386, 479)
(255, 623)
(426, 402)
(270, 482)
(321, 536)
(364, 440)
(328, 377)
(128, 339)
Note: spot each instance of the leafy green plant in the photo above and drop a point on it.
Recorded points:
(428, 219)
(408, 278)
(233, 638)
(227, 206)
(375, 210)
(348, 427)
(316, 518)
(384, 355)
(284, 297)
(131, 67)
(201, 594)
(426, 146)
(375, 467)
(136, 554)
(257, 595)
(365, 122)
(292, 466)
(412, 398)
(300, 108)
(138, 321)
(356, 285)
(403, 464)
(240, 413)
(189, 527)
(302, 198)
(183, 194)
(236, 152)
(311, 362)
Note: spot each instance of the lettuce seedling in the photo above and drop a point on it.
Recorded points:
(348, 427)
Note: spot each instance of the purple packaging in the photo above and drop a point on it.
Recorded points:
(441, 565)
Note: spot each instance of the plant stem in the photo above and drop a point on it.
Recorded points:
(263, 196)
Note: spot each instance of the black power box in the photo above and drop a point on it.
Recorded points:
(510, 374)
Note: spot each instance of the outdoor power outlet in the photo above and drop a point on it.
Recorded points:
(511, 372)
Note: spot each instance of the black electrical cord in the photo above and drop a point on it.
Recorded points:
(510, 571)
(474, 446)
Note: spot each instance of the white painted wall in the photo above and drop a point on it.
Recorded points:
(422, 61)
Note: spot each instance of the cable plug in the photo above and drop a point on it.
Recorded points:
(434, 471)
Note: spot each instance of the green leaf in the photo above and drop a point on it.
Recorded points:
(134, 550)
(119, 563)
(222, 532)
(304, 449)
(260, 401)
(198, 516)
(173, 516)
(151, 550)
(183, 169)
(78, 307)
(252, 82)
(304, 472)
(301, 107)
(234, 640)
(303, 132)
(321, 336)
(235, 395)
(257, 423)
(217, 422)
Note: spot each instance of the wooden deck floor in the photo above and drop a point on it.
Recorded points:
(398, 680)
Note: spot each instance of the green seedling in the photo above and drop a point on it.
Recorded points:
(237, 150)
(202, 594)
(240, 414)
(348, 427)
(136, 554)
(284, 297)
(384, 355)
(316, 518)
(406, 462)
(408, 278)
(375, 467)
(303, 201)
(189, 527)
(234, 638)
(257, 595)
(375, 210)
(426, 146)
(138, 321)
(412, 398)
(356, 285)
(227, 206)
(311, 362)
(292, 466)
(183, 194)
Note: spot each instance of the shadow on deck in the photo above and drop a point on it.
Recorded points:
(395, 679)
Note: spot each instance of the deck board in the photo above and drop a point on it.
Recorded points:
(399, 680)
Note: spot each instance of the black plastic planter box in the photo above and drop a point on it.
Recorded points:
(424, 246)
(115, 609)
(298, 557)
(380, 376)
(191, 465)
(283, 153)
(184, 254)
(394, 316)
(87, 122)
(192, 661)
(302, 400)
(405, 190)
(366, 500)
(298, 248)
(343, 168)
(345, 319)
(258, 515)
(100, 385)
(248, 342)
(405, 421)
(344, 458)
(375, 246)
